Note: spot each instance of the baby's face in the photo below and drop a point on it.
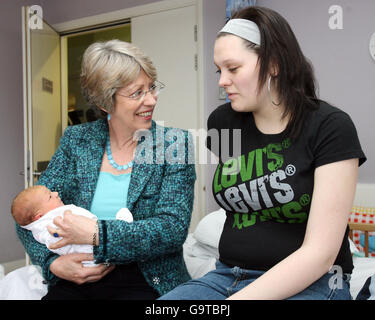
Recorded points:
(47, 200)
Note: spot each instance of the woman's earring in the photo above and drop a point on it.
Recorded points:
(108, 116)
(269, 92)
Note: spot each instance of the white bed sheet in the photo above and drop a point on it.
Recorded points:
(26, 283)
(1, 271)
(363, 269)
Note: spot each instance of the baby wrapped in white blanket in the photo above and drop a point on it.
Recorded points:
(35, 208)
(41, 234)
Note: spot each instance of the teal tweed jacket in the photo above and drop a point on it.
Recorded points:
(160, 198)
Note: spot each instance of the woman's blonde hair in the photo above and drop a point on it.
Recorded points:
(24, 206)
(109, 66)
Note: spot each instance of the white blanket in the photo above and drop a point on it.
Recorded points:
(41, 234)
(363, 269)
(23, 284)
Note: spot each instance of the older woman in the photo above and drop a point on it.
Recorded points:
(97, 166)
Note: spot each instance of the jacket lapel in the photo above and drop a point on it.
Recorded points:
(91, 159)
(142, 170)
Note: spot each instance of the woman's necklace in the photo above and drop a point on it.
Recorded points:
(112, 162)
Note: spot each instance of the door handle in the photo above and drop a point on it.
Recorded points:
(35, 173)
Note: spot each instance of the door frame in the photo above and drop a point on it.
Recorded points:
(101, 20)
(81, 24)
(29, 166)
(26, 94)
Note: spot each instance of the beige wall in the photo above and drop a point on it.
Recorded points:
(45, 55)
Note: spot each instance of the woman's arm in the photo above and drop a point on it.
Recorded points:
(38, 253)
(58, 176)
(53, 178)
(163, 233)
(166, 230)
(69, 267)
(119, 241)
(334, 189)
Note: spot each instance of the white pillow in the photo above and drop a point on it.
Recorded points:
(210, 228)
(24, 283)
(368, 290)
(1, 271)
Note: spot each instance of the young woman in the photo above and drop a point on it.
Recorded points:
(288, 194)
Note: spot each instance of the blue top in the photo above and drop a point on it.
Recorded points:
(111, 195)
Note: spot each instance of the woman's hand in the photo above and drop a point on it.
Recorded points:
(69, 267)
(73, 229)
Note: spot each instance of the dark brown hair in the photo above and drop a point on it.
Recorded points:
(279, 49)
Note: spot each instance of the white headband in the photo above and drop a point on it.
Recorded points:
(243, 28)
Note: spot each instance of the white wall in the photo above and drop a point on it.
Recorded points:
(343, 66)
(214, 21)
(11, 124)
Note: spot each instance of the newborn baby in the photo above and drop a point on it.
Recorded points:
(35, 208)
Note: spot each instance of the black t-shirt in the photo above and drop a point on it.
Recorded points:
(266, 188)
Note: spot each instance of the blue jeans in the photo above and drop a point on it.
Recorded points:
(224, 281)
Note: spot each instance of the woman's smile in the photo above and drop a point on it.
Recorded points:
(145, 115)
